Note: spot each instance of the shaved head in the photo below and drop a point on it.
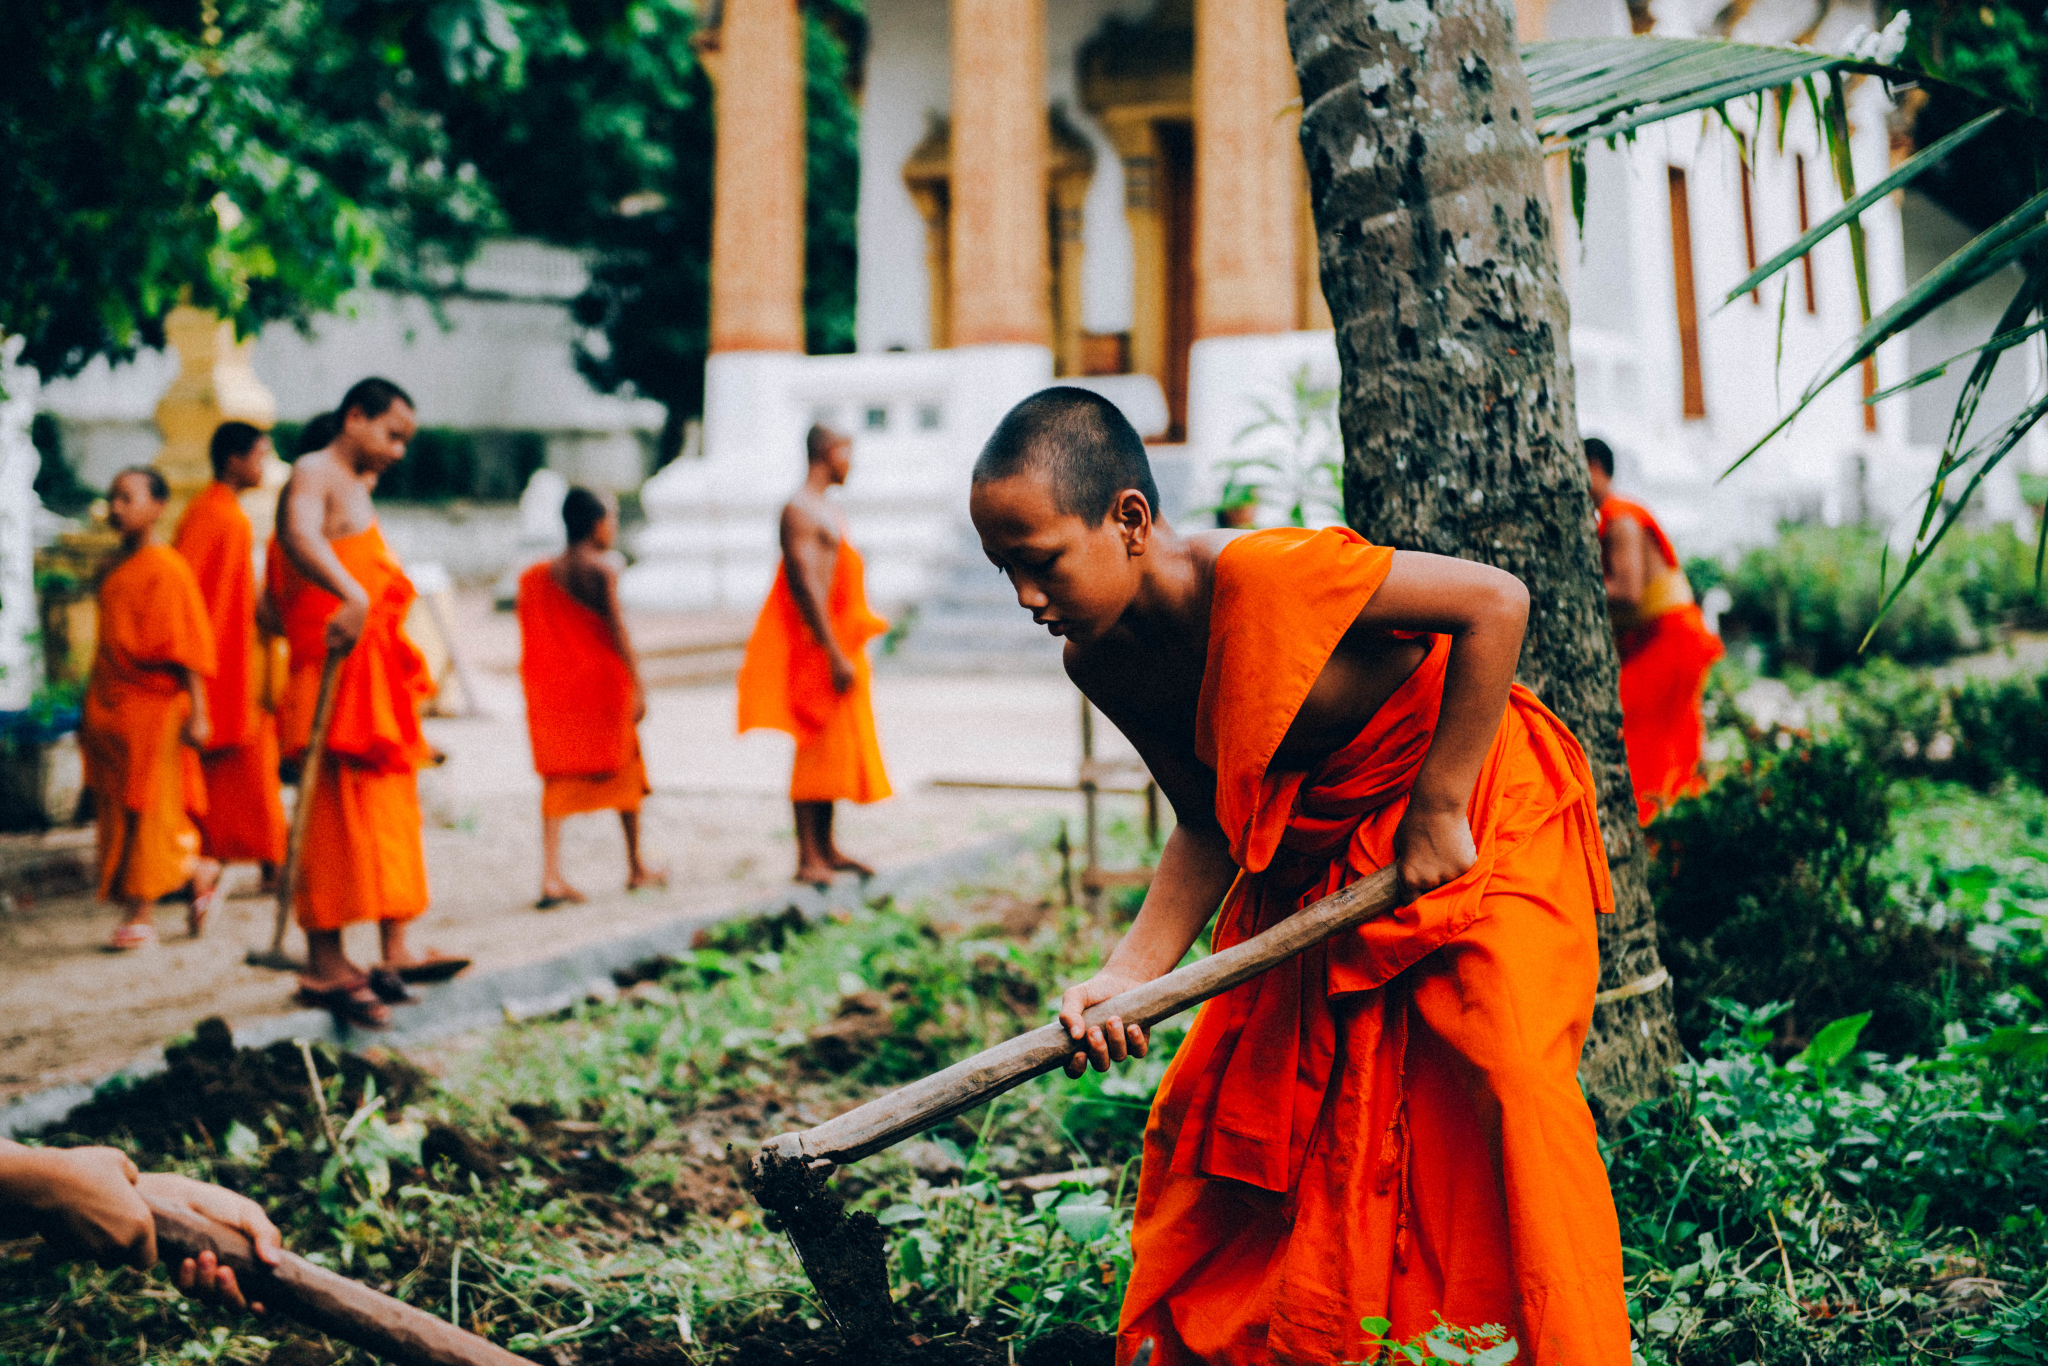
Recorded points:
(820, 439)
(1086, 448)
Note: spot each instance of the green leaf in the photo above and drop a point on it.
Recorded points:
(1907, 171)
(240, 1141)
(1834, 1041)
(1498, 1355)
(1084, 1223)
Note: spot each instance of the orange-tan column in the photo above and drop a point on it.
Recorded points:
(757, 213)
(1247, 169)
(1001, 256)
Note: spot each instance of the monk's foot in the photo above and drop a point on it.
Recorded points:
(647, 878)
(841, 863)
(348, 999)
(134, 935)
(557, 893)
(209, 889)
(818, 874)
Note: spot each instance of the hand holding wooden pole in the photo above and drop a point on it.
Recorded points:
(890, 1119)
(385, 1327)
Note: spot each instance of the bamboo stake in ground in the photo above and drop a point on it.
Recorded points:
(302, 810)
(387, 1328)
(843, 1256)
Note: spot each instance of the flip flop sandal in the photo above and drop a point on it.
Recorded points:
(354, 1005)
(549, 903)
(389, 989)
(432, 970)
(204, 905)
(129, 938)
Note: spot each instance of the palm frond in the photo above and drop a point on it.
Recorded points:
(1606, 88)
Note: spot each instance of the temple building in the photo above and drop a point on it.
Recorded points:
(1111, 193)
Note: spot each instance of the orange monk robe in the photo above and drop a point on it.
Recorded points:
(579, 703)
(1389, 1125)
(1665, 660)
(244, 817)
(363, 859)
(785, 684)
(152, 621)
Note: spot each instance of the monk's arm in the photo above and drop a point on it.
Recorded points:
(198, 724)
(615, 622)
(808, 558)
(1484, 611)
(1622, 556)
(303, 534)
(1195, 871)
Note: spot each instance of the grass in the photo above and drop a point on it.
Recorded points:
(564, 1187)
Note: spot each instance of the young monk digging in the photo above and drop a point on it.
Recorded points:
(338, 589)
(1389, 1125)
(583, 692)
(244, 820)
(1666, 649)
(146, 720)
(806, 668)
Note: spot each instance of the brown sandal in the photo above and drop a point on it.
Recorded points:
(435, 969)
(354, 1005)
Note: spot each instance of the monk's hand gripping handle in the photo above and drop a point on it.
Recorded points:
(888, 1120)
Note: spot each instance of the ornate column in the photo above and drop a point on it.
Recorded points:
(1001, 255)
(1247, 170)
(757, 212)
(214, 384)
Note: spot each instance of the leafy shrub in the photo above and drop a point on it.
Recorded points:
(1764, 891)
(1818, 1209)
(1981, 731)
(1809, 598)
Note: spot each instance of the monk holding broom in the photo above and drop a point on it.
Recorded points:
(1388, 1126)
(244, 820)
(145, 720)
(806, 667)
(340, 592)
(584, 699)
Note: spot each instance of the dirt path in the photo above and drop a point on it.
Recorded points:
(718, 819)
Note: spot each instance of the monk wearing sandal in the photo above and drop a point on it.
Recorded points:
(339, 590)
(146, 720)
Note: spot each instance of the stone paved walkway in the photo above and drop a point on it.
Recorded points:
(718, 818)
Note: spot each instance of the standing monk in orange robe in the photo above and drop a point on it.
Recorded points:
(583, 693)
(339, 590)
(1666, 649)
(1390, 1124)
(146, 718)
(806, 668)
(244, 820)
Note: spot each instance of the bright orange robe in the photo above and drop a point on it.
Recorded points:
(1664, 666)
(1389, 1125)
(363, 858)
(152, 620)
(579, 703)
(244, 817)
(786, 684)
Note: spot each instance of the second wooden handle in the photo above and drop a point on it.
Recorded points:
(890, 1119)
(385, 1327)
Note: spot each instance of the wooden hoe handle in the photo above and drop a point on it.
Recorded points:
(380, 1325)
(890, 1119)
(302, 809)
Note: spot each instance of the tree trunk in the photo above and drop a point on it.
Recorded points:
(1439, 264)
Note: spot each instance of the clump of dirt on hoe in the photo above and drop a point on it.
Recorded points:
(209, 1085)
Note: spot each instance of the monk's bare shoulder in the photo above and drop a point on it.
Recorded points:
(344, 498)
(590, 576)
(809, 517)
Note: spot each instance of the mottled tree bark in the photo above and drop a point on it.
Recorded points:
(1439, 264)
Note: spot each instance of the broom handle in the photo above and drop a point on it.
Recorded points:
(302, 809)
(890, 1119)
(333, 1304)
